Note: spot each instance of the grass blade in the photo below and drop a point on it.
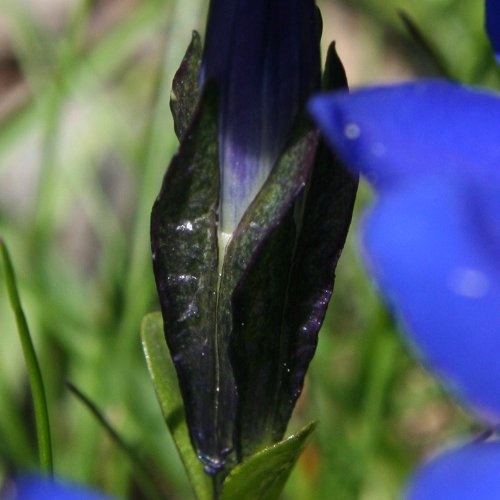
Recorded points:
(426, 46)
(34, 372)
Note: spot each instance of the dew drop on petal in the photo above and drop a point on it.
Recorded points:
(468, 282)
(352, 131)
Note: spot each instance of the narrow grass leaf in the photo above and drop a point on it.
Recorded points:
(142, 470)
(34, 372)
(426, 46)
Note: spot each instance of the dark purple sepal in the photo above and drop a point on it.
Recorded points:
(334, 76)
(254, 288)
(327, 213)
(185, 256)
(185, 87)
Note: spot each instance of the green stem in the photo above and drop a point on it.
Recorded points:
(34, 372)
(145, 476)
(217, 482)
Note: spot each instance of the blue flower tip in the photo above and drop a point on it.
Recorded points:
(36, 488)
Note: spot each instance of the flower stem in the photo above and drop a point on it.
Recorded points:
(217, 481)
(34, 372)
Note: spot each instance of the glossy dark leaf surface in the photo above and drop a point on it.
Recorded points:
(241, 341)
(185, 255)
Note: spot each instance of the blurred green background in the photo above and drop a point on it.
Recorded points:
(85, 137)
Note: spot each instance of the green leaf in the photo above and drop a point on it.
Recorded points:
(34, 372)
(185, 87)
(263, 475)
(164, 378)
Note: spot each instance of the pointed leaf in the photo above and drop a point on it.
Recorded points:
(185, 256)
(334, 76)
(185, 87)
(264, 474)
(164, 378)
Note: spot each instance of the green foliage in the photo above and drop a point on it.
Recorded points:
(263, 475)
(81, 159)
(453, 28)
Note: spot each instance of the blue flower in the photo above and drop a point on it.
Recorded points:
(37, 488)
(432, 241)
(265, 58)
(471, 472)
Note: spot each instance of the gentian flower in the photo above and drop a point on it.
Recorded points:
(249, 224)
(265, 58)
(432, 239)
(38, 488)
(471, 472)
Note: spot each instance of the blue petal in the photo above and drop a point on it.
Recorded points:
(493, 25)
(265, 58)
(37, 488)
(468, 473)
(433, 245)
(395, 132)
